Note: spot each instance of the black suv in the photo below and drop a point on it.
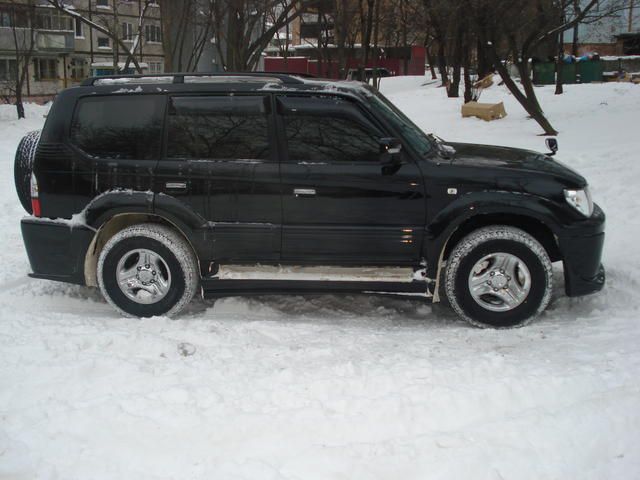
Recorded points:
(155, 188)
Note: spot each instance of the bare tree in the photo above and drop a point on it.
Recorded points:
(243, 29)
(105, 25)
(138, 37)
(22, 22)
(571, 9)
(187, 28)
(438, 16)
(512, 30)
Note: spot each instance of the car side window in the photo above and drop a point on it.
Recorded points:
(328, 130)
(119, 127)
(218, 128)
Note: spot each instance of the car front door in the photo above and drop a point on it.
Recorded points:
(344, 202)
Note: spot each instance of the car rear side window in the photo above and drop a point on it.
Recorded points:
(218, 128)
(120, 127)
(328, 130)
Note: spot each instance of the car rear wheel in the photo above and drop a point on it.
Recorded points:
(23, 167)
(499, 277)
(147, 270)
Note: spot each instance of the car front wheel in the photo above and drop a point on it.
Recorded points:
(499, 277)
(147, 270)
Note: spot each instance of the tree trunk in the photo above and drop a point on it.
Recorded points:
(340, 34)
(530, 104)
(432, 67)
(19, 103)
(574, 43)
(559, 66)
(527, 83)
(442, 64)
(453, 91)
(484, 68)
(468, 86)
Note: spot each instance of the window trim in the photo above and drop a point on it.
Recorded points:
(273, 138)
(282, 132)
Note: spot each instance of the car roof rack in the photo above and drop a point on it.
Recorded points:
(198, 77)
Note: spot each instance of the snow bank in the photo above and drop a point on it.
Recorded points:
(327, 387)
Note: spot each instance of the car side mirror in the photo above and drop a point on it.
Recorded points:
(552, 144)
(390, 146)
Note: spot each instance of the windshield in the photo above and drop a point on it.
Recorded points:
(409, 130)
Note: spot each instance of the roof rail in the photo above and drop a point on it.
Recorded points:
(180, 77)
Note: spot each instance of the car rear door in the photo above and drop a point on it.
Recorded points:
(342, 204)
(220, 158)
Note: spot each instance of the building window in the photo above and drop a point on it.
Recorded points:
(127, 31)
(46, 69)
(153, 33)
(7, 69)
(156, 67)
(13, 16)
(125, 127)
(78, 68)
(53, 20)
(5, 18)
(103, 4)
(103, 42)
(79, 28)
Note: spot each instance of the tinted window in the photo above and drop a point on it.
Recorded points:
(228, 127)
(124, 127)
(328, 130)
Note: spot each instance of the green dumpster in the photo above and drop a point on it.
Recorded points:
(544, 73)
(569, 73)
(590, 71)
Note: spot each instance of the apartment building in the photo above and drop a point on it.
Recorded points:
(67, 50)
(617, 33)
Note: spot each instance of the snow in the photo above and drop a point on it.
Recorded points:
(330, 387)
(129, 90)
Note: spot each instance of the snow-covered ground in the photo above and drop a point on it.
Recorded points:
(331, 387)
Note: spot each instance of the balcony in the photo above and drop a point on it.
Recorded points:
(54, 41)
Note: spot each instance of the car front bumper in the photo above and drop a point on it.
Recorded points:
(581, 249)
(56, 249)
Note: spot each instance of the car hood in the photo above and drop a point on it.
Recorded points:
(508, 161)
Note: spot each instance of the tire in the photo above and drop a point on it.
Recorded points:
(498, 277)
(23, 166)
(156, 266)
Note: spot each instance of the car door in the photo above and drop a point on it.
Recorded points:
(344, 202)
(221, 160)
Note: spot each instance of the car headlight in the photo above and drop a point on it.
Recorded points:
(580, 200)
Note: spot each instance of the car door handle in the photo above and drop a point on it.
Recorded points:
(176, 185)
(304, 192)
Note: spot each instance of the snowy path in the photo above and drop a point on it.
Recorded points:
(337, 387)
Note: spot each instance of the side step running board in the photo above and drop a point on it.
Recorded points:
(325, 274)
(212, 288)
(264, 280)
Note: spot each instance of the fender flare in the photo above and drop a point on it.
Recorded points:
(440, 230)
(115, 203)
